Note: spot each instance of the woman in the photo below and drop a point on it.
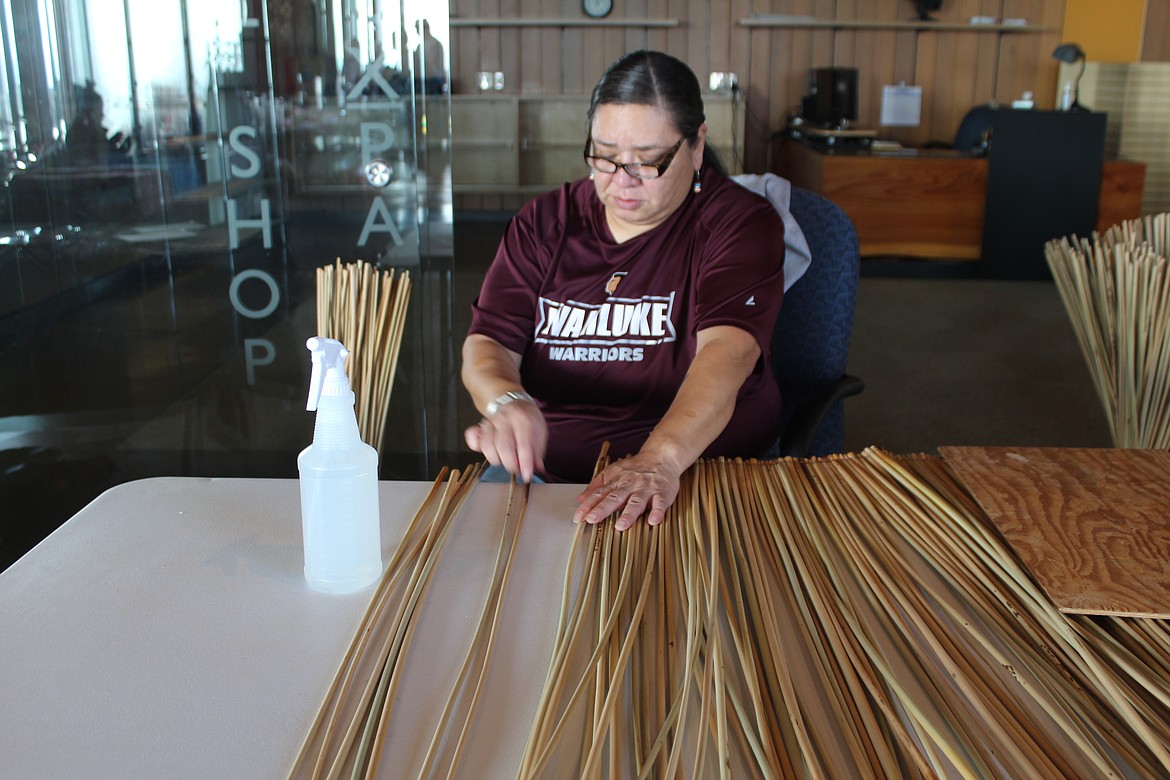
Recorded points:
(634, 307)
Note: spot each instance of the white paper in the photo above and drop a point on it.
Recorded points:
(901, 106)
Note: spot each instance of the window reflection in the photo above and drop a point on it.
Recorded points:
(171, 175)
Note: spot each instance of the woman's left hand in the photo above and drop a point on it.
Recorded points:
(647, 483)
(638, 485)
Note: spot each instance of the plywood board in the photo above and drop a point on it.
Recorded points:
(1092, 525)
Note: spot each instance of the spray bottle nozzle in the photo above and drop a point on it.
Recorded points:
(328, 369)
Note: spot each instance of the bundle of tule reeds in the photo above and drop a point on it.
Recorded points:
(856, 616)
(1116, 289)
(365, 309)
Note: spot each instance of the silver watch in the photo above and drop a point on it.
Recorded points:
(505, 399)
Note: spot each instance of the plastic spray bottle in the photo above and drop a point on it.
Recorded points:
(339, 482)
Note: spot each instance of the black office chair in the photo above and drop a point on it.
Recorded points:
(810, 343)
(974, 133)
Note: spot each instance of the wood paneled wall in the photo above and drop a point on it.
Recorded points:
(1156, 39)
(956, 69)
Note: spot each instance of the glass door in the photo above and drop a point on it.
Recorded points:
(173, 174)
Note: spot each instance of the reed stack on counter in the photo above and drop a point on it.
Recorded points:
(1116, 288)
(855, 616)
(365, 309)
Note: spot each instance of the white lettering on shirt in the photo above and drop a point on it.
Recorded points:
(597, 354)
(645, 321)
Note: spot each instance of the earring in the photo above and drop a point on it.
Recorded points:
(590, 175)
(697, 185)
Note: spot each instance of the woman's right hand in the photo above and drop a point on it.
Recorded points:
(515, 437)
(512, 433)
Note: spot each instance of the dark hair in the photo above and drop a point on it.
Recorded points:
(652, 78)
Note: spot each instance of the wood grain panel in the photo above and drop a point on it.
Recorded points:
(657, 38)
(719, 41)
(872, 53)
(1122, 187)
(1025, 61)
(780, 70)
(956, 69)
(739, 55)
(574, 43)
(511, 62)
(463, 68)
(932, 207)
(1156, 40)
(759, 99)
(936, 101)
(552, 50)
(950, 88)
(594, 61)
(903, 206)
(920, 205)
(699, 30)
(613, 46)
(1091, 525)
(675, 37)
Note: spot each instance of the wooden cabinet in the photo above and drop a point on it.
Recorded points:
(507, 148)
(923, 202)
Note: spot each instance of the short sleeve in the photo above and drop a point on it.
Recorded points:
(741, 271)
(505, 308)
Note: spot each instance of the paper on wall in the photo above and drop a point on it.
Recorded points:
(901, 106)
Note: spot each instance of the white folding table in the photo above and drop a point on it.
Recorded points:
(166, 630)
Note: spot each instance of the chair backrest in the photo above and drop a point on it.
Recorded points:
(974, 133)
(810, 344)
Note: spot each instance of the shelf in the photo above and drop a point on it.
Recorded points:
(477, 143)
(542, 138)
(527, 190)
(797, 22)
(527, 145)
(575, 22)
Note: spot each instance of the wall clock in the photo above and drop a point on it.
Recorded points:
(597, 8)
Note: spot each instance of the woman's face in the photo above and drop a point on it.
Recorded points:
(628, 133)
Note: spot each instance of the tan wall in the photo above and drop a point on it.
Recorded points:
(957, 69)
(1108, 32)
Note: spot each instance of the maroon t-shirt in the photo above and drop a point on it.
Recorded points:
(607, 331)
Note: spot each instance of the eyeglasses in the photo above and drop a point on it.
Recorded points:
(638, 170)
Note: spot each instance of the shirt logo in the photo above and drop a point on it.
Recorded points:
(612, 285)
(751, 301)
(644, 321)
